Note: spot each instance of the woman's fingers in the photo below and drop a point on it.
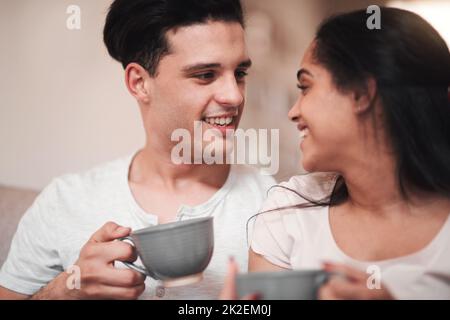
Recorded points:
(326, 293)
(346, 283)
(342, 289)
(253, 296)
(229, 288)
(349, 273)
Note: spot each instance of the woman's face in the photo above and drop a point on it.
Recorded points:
(326, 118)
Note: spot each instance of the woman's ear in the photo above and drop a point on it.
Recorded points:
(365, 97)
(137, 81)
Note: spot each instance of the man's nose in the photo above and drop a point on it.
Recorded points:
(230, 93)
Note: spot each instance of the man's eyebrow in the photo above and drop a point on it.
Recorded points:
(245, 64)
(200, 66)
(303, 71)
(203, 66)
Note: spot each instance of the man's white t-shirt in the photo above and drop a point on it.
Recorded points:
(302, 239)
(65, 215)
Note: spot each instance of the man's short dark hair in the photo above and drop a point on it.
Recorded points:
(135, 30)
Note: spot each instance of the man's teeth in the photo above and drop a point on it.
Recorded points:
(219, 121)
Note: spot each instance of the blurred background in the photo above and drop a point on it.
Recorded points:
(64, 106)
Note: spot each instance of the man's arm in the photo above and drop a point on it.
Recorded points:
(6, 294)
(98, 277)
(53, 291)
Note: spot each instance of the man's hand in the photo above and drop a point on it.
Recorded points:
(99, 278)
(352, 285)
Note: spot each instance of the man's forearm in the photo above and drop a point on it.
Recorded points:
(55, 290)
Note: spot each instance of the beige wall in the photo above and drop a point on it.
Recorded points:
(64, 107)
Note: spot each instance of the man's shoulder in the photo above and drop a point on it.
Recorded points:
(100, 177)
(250, 186)
(252, 176)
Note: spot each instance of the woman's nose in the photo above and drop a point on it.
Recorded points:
(294, 113)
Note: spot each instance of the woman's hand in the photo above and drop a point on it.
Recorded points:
(352, 285)
(229, 288)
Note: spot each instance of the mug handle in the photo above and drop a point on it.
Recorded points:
(321, 279)
(132, 265)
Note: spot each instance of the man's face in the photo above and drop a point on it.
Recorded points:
(202, 79)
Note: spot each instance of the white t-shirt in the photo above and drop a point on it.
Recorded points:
(65, 215)
(302, 239)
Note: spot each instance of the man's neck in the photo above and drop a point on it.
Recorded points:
(161, 187)
(156, 169)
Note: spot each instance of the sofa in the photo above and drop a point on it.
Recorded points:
(13, 204)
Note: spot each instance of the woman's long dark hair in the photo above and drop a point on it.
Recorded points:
(410, 63)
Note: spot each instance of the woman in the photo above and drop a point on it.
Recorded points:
(374, 116)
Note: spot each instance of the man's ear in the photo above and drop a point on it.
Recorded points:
(137, 80)
(365, 97)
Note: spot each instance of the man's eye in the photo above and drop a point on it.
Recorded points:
(241, 74)
(205, 76)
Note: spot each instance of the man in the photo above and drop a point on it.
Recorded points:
(185, 62)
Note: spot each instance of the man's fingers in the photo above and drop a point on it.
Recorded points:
(110, 231)
(112, 251)
(118, 293)
(124, 278)
(122, 251)
(229, 288)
